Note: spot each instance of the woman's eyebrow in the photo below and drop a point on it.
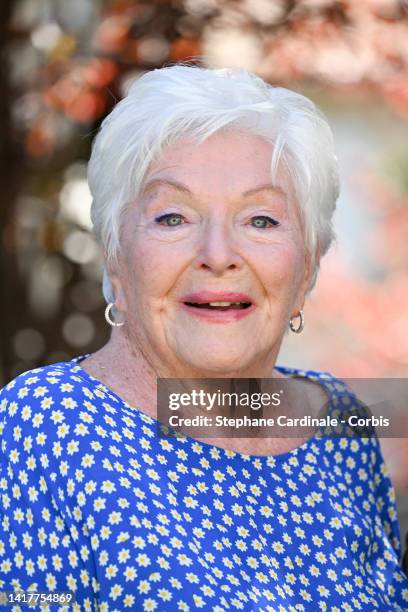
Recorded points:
(184, 189)
(266, 187)
(167, 183)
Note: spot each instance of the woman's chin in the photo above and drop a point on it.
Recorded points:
(213, 355)
(215, 365)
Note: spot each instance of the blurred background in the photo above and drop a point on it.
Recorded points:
(63, 67)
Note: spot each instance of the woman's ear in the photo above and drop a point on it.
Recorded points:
(312, 266)
(117, 287)
(318, 255)
(309, 268)
(306, 277)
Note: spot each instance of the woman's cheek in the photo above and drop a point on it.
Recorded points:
(281, 262)
(154, 270)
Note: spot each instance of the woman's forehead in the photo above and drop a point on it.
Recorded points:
(230, 162)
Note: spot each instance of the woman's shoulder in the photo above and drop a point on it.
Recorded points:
(334, 394)
(346, 405)
(39, 383)
(48, 392)
(343, 393)
(323, 376)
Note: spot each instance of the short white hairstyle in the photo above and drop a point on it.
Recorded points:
(180, 100)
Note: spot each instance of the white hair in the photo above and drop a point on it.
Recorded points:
(181, 100)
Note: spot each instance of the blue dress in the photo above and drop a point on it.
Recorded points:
(95, 502)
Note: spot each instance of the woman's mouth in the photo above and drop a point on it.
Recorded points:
(220, 305)
(216, 308)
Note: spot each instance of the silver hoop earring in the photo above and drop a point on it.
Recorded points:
(108, 316)
(301, 325)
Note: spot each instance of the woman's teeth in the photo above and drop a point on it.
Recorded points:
(223, 305)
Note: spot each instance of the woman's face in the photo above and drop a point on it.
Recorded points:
(213, 262)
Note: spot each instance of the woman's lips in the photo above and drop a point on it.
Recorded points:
(205, 297)
(218, 307)
(219, 316)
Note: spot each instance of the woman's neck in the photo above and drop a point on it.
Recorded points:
(128, 372)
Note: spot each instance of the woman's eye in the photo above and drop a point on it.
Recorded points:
(170, 219)
(263, 221)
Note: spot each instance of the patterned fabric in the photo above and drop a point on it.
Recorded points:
(95, 501)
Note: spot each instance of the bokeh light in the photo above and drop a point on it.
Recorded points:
(78, 330)
(79, 247)
(29, 344)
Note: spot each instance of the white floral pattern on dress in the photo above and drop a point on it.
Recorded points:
(94, 501)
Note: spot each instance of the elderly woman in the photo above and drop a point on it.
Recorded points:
(213, 194)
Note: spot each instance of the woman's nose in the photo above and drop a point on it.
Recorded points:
(218, 249)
